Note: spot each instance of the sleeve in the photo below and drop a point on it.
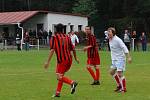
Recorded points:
(52, 42)
(77, 39)
(123, 46)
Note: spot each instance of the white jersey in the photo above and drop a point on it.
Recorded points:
(118, 49)
(74, 39)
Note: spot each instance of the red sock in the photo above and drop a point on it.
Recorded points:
(59, 86)
(123, 83)
(97, 74)
(67, 80)
(117, 79)
(91, 72)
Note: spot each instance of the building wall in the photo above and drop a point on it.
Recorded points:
(67, 20)
(37, 19)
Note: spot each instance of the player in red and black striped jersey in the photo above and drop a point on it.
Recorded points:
(61, 44)
(93, 56)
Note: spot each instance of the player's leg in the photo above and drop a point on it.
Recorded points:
(97, 75)
(90, 70)
(122, 81)
(97, 68)
(59, 85)
(72, 83)
(120, 69)
(61, 79)
(96, 63)
(66, 79)
(115, 77)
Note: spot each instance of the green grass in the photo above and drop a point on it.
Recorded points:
(22, 77)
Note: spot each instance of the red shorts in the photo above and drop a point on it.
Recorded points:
(63, 67)
(93, 61)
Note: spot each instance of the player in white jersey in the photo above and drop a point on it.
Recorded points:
(118, 55)
(74, 38)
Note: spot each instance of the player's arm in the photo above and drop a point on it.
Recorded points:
(46, 65)
(52, 48)
(126, 51)
(92, 44)
(129, 57)
(87, 47)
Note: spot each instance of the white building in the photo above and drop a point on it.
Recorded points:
(36, 20)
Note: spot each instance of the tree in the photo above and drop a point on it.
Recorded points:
(88, 7)
(85, 7)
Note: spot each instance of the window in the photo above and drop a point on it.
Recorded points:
(71, 27)
(5, 32)
(79, 28)
(40, 27)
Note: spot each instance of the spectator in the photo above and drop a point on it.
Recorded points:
(26, 40)
(143, 41)
(40, 36)
(40, 33)
(31, 34)
(135, 38)
(18, 42)
(45, 34)
(50, 34)
(126, 39)
(1, 43)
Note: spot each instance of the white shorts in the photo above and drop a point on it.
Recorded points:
(119, 65)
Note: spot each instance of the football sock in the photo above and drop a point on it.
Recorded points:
(123, 83)
(117, 79)
(91, 72)
(59, 86)
(97, 74)
(67, 80)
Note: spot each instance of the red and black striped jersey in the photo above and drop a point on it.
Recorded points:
(93, 51)
(62, 45)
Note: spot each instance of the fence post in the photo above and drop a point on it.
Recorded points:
(133, 44)
(38, 44)
(5, 43)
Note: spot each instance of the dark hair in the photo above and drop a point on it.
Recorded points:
(89, 27)
(59, 28)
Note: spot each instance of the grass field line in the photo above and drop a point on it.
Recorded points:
(25, 73)
(29, 73)
(142, 64)
(42, 72)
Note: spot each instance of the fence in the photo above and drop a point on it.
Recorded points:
(37, 44)
(34, 43)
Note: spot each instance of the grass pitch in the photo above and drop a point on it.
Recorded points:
(22, 77)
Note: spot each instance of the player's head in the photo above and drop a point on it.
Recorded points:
(88, 30)
(143, 33)
(111, 32)
(59, 28)
(134, 32)
(72, 32)
(125, 31)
